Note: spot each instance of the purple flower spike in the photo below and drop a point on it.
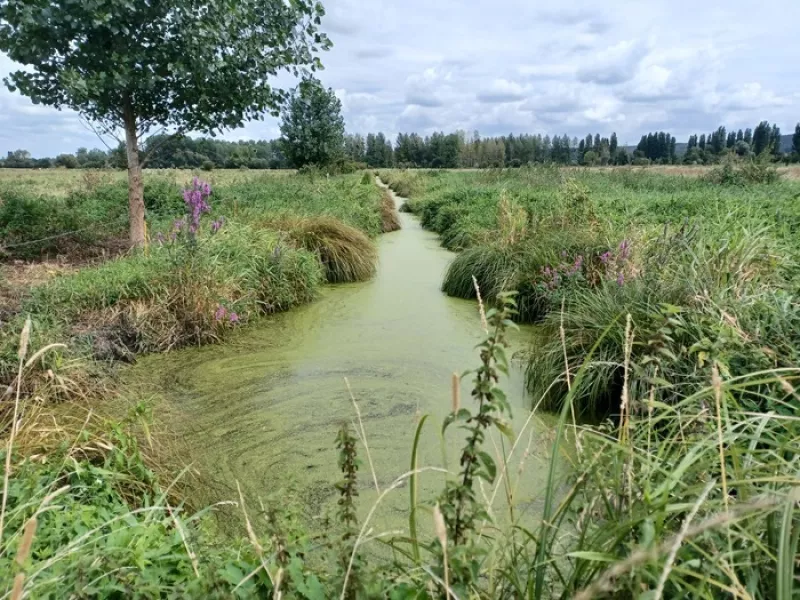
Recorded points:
(624, 247)
(621, 278)
(217, 225)
(605, 257)
(220, 313)
(234, 318)
(196, 200)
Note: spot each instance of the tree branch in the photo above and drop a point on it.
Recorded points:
(148, 152)
(100, 130)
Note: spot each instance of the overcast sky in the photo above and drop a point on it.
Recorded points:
(500, 66)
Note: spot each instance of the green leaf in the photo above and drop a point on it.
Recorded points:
(505, 429)
(488, 464)
(593, 556)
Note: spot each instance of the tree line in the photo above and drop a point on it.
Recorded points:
(438, 150)
(168, 152)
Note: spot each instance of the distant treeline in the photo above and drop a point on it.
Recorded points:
(440, 150)
(165, 152)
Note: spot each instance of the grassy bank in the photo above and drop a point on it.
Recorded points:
(694, 499)
(686, 335)
(258, 245)
(707, 268)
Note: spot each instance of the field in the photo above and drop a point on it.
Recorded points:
(666, 339)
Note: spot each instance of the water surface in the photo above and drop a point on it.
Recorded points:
(264, 409)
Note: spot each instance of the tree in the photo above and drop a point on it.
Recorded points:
(718, 139)
(355, 147)
(613, 144)
(796, 141)
(66, 160)
(134, 67)
(775, 141)
(312, 127)
(761, 137)
(748, 135)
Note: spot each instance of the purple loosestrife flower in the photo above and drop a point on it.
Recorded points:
(234, 318)
(624, 248)
(605, 257)
(217, 225)
(220, 313)
(196, 200)
(621, 278)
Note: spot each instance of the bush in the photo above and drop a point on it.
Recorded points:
(734, 172)
(207, 165)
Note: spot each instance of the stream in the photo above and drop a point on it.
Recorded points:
(263, 409)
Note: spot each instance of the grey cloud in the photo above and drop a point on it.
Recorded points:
(371, 53)
(416, 98)
(568, 17)
(615, 65)
(501, 91)
(498, 97)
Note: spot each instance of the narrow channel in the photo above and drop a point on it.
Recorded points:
(264, 409)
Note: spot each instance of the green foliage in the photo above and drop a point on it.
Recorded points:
(746, 172)
(103, 528)
(32, 226)
(170, 297)
(312, 127)
(459, 503)
(346, 254)
(74, 66)
(692, 301)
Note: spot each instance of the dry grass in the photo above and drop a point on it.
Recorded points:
(346, 253)
(390, 220)
(61, 182)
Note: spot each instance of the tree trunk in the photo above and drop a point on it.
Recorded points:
(135, 181)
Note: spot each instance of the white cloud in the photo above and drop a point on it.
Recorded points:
(509, 65)
(501, 91)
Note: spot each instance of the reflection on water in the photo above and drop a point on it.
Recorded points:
(265, 408)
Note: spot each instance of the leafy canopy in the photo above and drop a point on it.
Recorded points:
(312, 127)
(196, 65)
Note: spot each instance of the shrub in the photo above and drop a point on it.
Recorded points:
(207, 165)
(743, 172)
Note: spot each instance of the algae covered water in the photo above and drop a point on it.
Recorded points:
(264, 409)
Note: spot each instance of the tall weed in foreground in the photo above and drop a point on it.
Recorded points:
(696, 498)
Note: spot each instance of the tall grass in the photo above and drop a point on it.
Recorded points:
(697, 498)
(346, 254)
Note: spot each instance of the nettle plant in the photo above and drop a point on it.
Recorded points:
(459, 505)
